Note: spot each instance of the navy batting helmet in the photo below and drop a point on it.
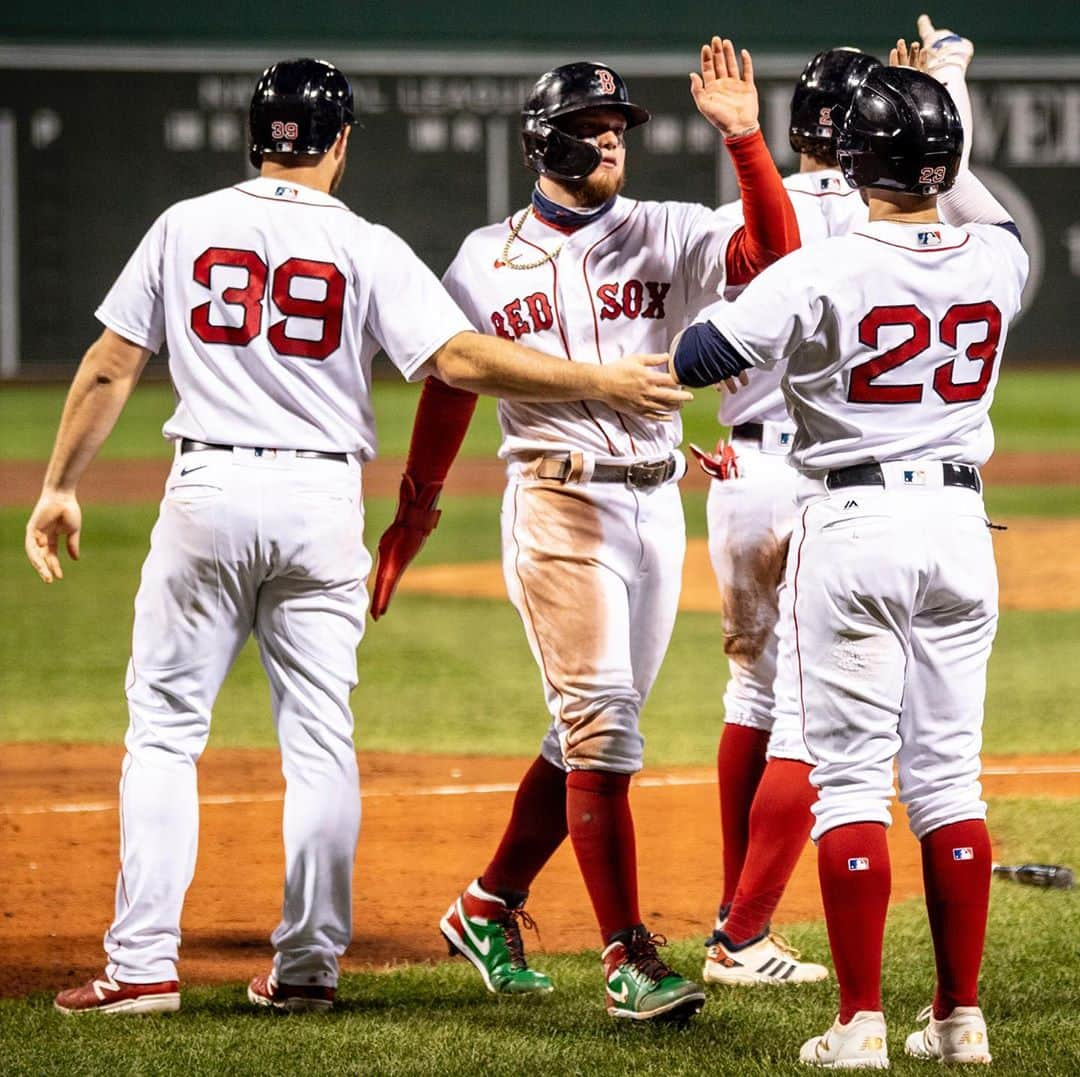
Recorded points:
(558, 93)
(827, 81)
(901, 133)
(299, 106)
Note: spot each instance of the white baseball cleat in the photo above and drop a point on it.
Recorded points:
(960, 1037)
(769, 959)
(944, 47)
(858, 1045)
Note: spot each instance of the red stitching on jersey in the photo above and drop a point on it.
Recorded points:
(289, 201)
(795, 619)
(914, 250)
(562, 336)
(592, 307)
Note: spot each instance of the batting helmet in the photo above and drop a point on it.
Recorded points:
(901, 133)
(299, 106)
(558, 93)
(827, 81)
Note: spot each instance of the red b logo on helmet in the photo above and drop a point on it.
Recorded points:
(607, 81)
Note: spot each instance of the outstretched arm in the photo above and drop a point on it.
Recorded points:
(98, 393)
(728, 99)
(442, 419)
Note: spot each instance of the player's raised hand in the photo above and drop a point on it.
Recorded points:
(726, 98)
(943, 47)
(54, 515)
(642, 385)
(903, 55)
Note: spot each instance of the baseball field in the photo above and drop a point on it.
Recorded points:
(449, 710)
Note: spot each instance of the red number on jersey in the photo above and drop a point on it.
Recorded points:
(861, 388)
(326, 310)
(984, 351)
(249, 297)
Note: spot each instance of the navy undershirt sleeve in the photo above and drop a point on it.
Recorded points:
(705, 356)
(1010, 226)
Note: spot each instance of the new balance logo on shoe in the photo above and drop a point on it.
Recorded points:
(106, 995)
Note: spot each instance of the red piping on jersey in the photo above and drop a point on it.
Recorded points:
(914, 250)
(820, 194)
(592, 307)
(289, 201)
(562, 336)
(567, 230)
(795, 620)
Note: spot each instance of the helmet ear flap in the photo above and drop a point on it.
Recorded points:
(552, 152)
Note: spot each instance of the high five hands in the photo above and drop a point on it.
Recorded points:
(726, 98)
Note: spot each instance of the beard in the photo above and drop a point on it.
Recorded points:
(598, 187)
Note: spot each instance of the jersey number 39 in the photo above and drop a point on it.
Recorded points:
(862, 389)
(327, 310)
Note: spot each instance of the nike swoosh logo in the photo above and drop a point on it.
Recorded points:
(189, 470)
(484, 946)
(619, 996)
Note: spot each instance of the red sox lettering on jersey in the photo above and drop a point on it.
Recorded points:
(535, 313)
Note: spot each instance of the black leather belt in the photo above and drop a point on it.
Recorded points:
(871, 475)
(640, 476)
(187, 445)
(748, 431)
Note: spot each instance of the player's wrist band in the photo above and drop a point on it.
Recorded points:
(704, 356)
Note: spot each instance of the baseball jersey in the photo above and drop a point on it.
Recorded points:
(625, 283)
(824, 206)
(892, 336)
(273, 299)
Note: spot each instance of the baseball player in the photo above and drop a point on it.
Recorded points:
(893, 337)
(751, 510)
(273, 299)
(592, 524)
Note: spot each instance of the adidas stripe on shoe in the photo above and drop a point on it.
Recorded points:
(768, 959)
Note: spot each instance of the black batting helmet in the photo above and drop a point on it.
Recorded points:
(827, 81)
(558, 93)
(901, 133)
(299, 106)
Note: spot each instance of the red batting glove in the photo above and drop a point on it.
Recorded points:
(403, 539)
(722, 465)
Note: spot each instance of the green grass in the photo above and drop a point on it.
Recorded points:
(437, 1019)
(66, 649)
(1033, 411)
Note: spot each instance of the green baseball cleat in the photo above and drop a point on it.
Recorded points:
(641, 987)
(484, 929)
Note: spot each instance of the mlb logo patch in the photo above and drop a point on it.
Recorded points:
(930, 239)
(829, 183)
(858, 863)
(915, 478)
(785, 438)
(965, 852)
(286, 192)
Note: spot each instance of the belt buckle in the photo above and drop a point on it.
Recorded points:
(642, 476)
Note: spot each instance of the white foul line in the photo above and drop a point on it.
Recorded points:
(484, 789)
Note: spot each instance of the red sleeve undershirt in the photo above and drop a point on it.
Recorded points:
(442, 419)
(771, 230)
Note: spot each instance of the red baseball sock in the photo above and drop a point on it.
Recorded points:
(856, 877)
(602, 831)
(956, 876)
(535, 830)
(780, 822)
(740, 760)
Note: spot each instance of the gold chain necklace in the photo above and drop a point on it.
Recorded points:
(515, 231)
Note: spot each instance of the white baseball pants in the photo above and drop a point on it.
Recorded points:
(895, 608)
(244, 543)
(594, 570)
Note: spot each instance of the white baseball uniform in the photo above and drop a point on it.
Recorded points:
(751, 514)
(892, 337)
(272, 299)
(593, 568)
